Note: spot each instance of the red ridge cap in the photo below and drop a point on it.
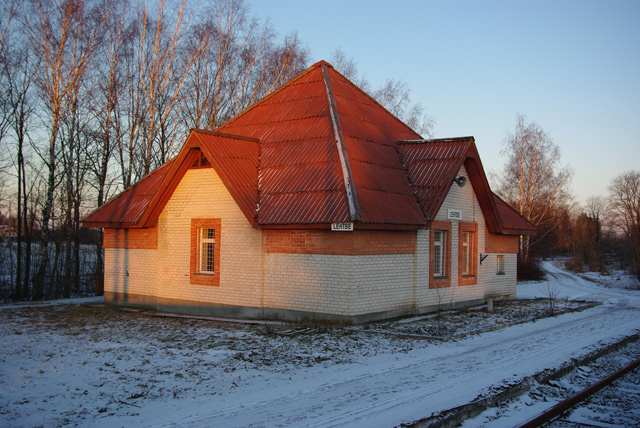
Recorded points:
(321, 63)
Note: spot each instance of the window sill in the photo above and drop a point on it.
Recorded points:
(501, 273)
(467, 275)
(440, 277)
(204, 274)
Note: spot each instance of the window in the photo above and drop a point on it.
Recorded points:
(206, 249)
(500, 265)
(467, 253)
(440, 254)
(439, 251)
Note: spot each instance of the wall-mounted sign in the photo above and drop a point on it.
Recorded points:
(342, 227)
(455, 215)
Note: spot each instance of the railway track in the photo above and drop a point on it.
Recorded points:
(555, 416)
(522, 405)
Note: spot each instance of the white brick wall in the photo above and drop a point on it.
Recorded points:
(200, 194)
(383, 282)
(344, 285)
(130, 271)
(308, 282)
(341, 285)
(500, 284)
(463, 198)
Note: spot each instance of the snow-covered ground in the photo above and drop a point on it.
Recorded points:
(86, 364)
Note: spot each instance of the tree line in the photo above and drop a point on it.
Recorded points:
(97, 93)
(603, 231)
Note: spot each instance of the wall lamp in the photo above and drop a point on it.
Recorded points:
(461, 181)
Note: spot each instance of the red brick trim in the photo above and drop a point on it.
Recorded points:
(440, 282)
(469, 279)
(359, 242)
(196, 278)
(132, 239)
(503, 244)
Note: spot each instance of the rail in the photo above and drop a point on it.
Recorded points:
(562, 407)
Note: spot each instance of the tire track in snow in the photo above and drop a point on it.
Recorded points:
(588, 290)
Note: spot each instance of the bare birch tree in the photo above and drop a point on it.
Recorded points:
(63, 36)
(7, 15)
(109, 83)
(265, 66)
(348, 67)
(108, 137)
(394, 95)
(104, 92)
(162, 71)
(19, 73)
(533, 181)
(130, 113)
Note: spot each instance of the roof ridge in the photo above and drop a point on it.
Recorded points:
(225, 135)
(345, 165)
(438, 140)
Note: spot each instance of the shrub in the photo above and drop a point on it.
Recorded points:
(574, 264)
(529, 269)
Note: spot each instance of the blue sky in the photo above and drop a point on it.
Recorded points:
(573, 67)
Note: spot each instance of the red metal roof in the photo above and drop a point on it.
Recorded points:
(432, 167)
(384, 193)
(513, 222)
(300, 179)
(127, 208)
(300, 166)
(318, 150)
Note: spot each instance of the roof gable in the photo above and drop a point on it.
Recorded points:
(433, 165)
(234, 158)
(236, 161)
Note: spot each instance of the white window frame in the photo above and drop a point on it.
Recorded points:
(206, 250)
(500, 265)
(439, 253)
(467, 252)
